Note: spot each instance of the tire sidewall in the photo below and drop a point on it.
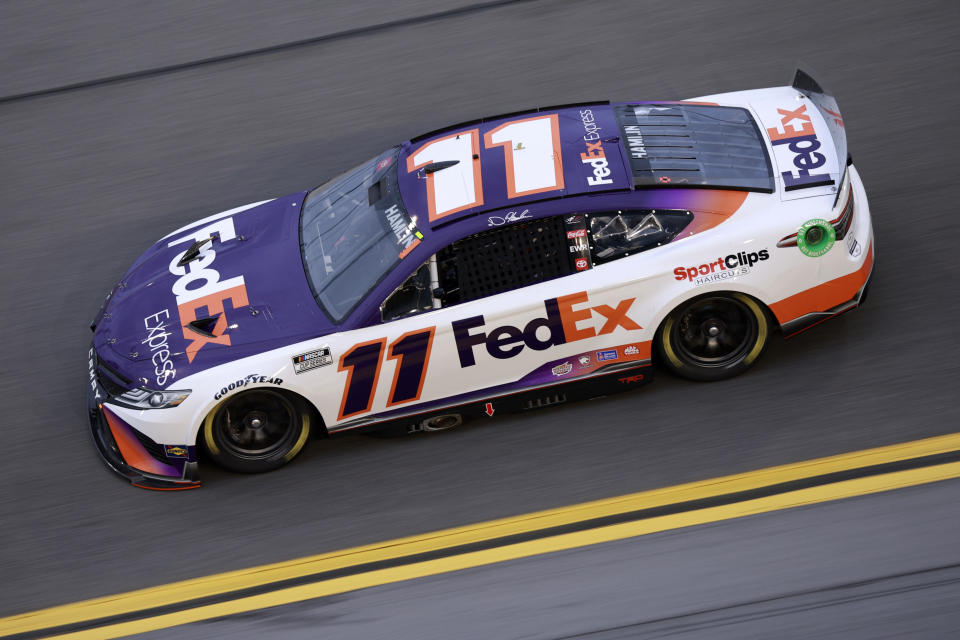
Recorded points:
(669, 354)
(225, 458)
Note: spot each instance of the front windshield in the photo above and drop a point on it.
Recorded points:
(353, 231)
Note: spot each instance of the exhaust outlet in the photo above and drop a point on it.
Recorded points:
(441, 423)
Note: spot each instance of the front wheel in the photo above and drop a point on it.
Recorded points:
(714, 336)
(256, 430)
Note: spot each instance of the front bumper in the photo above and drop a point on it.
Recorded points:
(125, 451)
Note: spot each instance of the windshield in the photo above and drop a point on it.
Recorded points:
(353, 231)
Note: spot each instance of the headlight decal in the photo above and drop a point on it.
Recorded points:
(141, 398)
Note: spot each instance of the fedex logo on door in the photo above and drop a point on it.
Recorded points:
(565, 321)
(795, 131)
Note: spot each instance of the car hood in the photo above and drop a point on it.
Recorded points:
(243, 292)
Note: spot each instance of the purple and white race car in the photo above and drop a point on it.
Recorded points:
(499, 265)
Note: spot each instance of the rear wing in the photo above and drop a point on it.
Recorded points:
(827, 105)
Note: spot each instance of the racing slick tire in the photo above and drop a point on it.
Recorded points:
(257, 430)
(714, 336)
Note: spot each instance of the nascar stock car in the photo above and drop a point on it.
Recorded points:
(503, 264)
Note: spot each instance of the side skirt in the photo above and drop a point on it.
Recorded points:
(489, 403)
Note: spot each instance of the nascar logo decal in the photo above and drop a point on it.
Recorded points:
(801, 139)
(212, 292)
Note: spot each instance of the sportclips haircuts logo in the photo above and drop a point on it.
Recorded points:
(803, 142)
(731, 266)
(212, 292)
(558, 327)
(594, 155)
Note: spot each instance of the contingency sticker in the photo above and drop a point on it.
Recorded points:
(816, 237)
(312, 359)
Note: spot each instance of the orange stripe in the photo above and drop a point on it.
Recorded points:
(825, 296)
(130, 448)
(183, 488)
(722, 205)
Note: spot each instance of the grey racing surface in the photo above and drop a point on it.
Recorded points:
(90, 177)
(767, 576)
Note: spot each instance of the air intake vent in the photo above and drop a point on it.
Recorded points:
(545, 401)
(193, 252)
(686, 145)
(204, 326)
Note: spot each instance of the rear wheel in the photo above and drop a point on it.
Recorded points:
(714, 336)
(256, 430)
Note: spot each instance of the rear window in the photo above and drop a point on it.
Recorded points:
(687, 145)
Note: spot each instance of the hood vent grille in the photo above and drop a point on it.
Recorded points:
(204, 326)
(193, 252)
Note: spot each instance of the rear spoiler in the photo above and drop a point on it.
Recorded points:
(827, 105)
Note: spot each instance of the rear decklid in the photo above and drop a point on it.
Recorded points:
(806, 133)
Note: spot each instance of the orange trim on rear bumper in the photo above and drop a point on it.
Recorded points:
(825, 296)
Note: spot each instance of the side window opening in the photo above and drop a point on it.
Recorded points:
(412, 297)
(619, 234)
(522, 254)
(503, 259)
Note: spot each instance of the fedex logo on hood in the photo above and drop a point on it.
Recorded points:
(199, 286)
(796, 131)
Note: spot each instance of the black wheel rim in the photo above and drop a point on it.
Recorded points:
(715, 332)
(256, 425)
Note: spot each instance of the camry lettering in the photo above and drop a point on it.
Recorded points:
(91, 371)
(560, 326)
(801, 139)
(212, 292)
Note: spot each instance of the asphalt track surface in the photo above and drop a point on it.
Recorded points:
(90, 177)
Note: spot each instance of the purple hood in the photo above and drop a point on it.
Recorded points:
(221, 290)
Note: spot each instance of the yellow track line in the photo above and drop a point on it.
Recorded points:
(243, 579)
(844, 489)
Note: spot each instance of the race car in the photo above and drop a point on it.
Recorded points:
(504, 264)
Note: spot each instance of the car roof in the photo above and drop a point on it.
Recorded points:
(513, 160)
